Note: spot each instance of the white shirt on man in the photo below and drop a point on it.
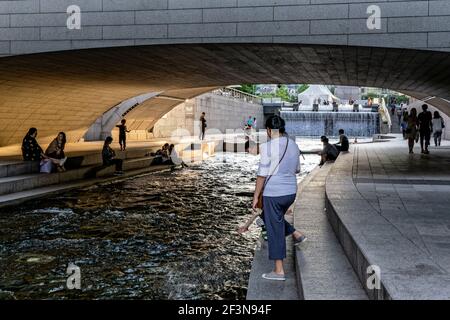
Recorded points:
(283, 179)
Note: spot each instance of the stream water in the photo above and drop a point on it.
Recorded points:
(167, 235)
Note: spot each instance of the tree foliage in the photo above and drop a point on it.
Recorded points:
(248, 88)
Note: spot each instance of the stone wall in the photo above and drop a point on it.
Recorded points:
(40, 25)
(222, 113)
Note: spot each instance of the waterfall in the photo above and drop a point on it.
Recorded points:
(316, 124)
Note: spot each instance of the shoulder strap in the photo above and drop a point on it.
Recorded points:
(282, 157)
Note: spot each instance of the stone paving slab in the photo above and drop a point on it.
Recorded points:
(261, 289)
(325, 272)
(401, 224)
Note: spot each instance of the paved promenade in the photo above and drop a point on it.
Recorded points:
(392, 209)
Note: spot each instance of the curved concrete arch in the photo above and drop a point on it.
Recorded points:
(103, 126)
(146, 115)
(69, 90)
(141, 112)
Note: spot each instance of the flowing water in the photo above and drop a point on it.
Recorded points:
(167, 235)
(316, 124)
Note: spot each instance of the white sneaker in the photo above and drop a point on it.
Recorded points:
(259, 222)
(274, 276)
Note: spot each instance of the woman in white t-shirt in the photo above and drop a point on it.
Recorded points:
(279, 164)
(438, 125)
(174, 157)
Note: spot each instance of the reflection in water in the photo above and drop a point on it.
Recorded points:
(168, 235)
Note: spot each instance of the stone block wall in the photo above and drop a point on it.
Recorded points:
(28, 26)
(222, 113)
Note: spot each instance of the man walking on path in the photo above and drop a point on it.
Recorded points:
(425, 128)
(202, 126)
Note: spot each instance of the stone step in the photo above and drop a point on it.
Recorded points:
(261, 289)
(10, 168)
(25, 182)
(322, 268)
(15, 167)
(17, 198)
(131, 164)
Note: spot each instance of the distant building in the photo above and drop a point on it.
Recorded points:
(272, 89)
(266, 89)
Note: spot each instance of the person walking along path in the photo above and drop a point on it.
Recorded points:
(425, 128)
(277, 183)
(411, 129)
(438, 125)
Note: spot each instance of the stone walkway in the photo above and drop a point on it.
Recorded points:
(324, 271)
(261, 289)
(395, 208)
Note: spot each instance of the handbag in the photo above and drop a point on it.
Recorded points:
(46, 166)
(260, 198)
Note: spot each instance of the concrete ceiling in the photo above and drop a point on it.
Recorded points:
(69, 90)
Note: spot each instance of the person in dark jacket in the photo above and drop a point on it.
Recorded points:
(31, 151)
(343, 144)
(425, 119)
(109, 156)
(202, 126)
(123, 134)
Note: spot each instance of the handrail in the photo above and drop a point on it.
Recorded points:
(236, 94)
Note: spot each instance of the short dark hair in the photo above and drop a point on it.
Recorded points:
(123, 121)
(341, 131)
(108, 139)
(322, 138)
(325, 139)
(276, 123)
(425, 106)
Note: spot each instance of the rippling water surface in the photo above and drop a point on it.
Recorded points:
(168, 235)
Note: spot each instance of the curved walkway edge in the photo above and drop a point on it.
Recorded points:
(373, 234)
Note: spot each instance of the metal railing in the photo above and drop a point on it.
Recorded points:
(236, 94)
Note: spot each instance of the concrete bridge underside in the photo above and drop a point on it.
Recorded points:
(69, 90)
(183, 48)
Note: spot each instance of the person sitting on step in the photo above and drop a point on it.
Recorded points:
(343, 144)
(31, 151)
(329, 151)
(109, 156)
(174, 158)
(55, 153)
(160, 156)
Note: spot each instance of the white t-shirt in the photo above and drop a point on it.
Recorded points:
(437, 124)
(175, 158)
(283, 181)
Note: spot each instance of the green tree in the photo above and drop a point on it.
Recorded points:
(248, 88)
(283, 93)
(302, 88)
